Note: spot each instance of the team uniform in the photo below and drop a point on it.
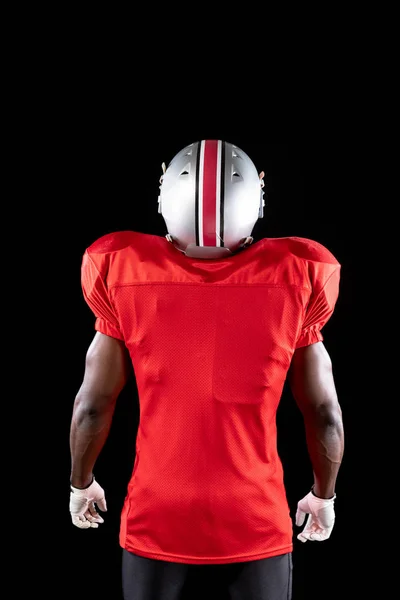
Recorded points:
(211, 343)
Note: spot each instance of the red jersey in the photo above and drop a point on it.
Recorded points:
(211, 341)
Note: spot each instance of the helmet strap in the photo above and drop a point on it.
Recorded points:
(247, 241)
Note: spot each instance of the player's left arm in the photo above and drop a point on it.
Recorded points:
(107, 369)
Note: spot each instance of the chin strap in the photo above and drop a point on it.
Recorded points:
(247, 242)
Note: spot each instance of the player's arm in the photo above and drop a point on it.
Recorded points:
(312, 383)
(106, 373)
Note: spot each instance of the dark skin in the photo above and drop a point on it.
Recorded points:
(312, 384)
(108, 367)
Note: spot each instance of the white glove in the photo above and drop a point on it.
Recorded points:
(82, 505)
(321, 517)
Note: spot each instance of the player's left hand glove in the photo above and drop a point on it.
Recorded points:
(321, 517)
(82, 505)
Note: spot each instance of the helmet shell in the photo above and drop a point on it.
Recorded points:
(210, 198)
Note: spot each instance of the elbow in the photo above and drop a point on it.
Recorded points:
(86, 414)
(89, 408)
(326, 416)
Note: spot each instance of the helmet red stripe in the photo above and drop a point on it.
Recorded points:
(210, 173)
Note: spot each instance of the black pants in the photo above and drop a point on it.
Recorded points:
(149, 579)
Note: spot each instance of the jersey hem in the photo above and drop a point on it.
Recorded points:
(200, 561)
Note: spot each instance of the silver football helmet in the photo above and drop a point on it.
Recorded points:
(210, 198)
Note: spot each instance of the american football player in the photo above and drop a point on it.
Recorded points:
(213, 324)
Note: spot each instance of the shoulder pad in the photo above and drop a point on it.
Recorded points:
(310, 250)
(112, 242)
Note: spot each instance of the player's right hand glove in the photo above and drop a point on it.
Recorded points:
(82, 505)
(321, 517)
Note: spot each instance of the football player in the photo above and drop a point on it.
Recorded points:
(212, 323)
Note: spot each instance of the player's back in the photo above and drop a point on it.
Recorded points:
(211, 341)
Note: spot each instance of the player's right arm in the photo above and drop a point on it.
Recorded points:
(312, 384)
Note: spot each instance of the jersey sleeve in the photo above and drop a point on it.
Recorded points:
(325, 280)
(95, 291)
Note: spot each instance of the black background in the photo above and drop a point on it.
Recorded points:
(110, 183)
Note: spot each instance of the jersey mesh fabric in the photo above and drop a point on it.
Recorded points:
(211, 342)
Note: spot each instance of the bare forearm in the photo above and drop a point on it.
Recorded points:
(325, 443)
(89, 431)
